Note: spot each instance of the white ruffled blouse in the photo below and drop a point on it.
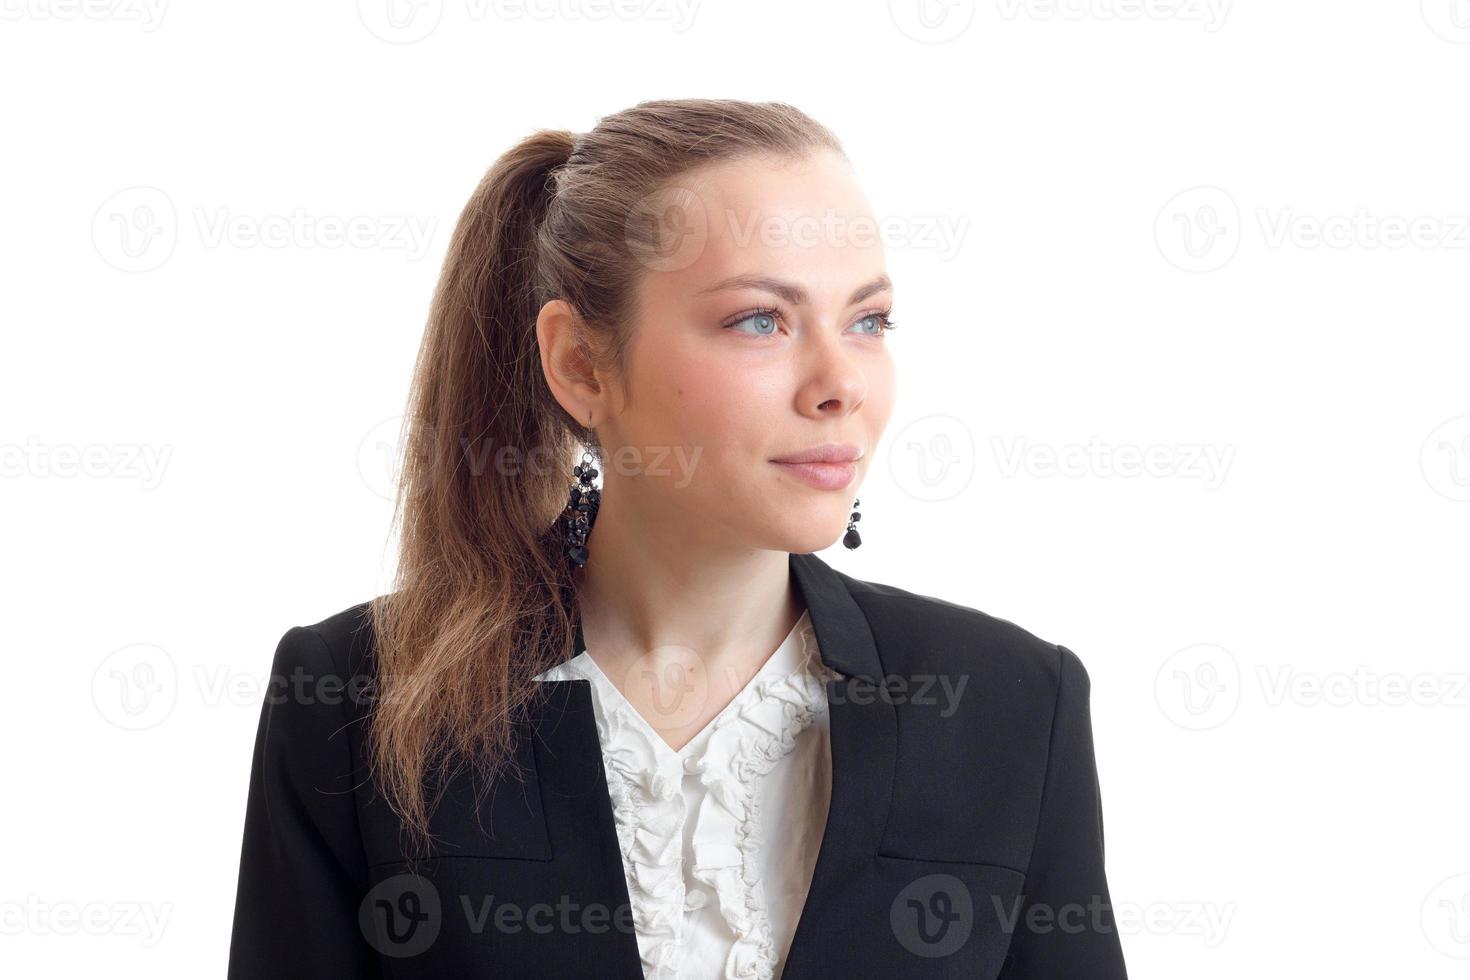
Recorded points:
(719, 838)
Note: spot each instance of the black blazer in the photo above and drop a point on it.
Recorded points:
(964, 836)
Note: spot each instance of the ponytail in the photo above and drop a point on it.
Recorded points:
(482, 602)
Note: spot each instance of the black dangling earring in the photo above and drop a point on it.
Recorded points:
(852, 539)
(581, 511)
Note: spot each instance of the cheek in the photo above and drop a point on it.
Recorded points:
(882, 393)
(729, 413)
(688, 399)
(715, 401)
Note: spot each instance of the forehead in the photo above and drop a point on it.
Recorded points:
(802, 219)
(780, 185)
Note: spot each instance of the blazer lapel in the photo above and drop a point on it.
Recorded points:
(864, 734)
(587, 857)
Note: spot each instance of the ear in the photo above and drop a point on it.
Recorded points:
(564, 360)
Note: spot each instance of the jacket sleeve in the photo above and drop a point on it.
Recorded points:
(302, 867)
(1067, 929)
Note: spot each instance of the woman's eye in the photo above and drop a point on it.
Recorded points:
(873, 324)
(765, 323)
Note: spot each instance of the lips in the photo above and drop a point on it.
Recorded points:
(827, 452)
(830, 466)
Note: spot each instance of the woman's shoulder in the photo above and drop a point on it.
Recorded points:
(347, 627)
(988, 714)
(332, 653)
(919, 633)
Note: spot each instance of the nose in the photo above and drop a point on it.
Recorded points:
(833, 383)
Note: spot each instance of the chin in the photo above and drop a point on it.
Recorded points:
(811, 536)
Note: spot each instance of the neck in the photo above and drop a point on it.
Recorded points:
(651, 580)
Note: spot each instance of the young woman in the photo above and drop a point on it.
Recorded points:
(645, 731)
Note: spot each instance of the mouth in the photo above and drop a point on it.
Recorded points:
(827, 452)
(831, 466)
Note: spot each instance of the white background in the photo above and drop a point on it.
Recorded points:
(1231, 237)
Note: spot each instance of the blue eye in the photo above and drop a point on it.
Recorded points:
(879, 322)
(873, 322)
(765, 321)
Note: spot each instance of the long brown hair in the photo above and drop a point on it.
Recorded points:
(484, 597)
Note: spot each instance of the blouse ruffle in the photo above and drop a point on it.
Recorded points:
(745, 742)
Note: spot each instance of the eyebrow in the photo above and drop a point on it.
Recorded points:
(790, 291)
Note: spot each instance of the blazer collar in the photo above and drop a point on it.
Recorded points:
(843, 637)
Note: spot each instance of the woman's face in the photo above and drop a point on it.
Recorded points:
(759, 334)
